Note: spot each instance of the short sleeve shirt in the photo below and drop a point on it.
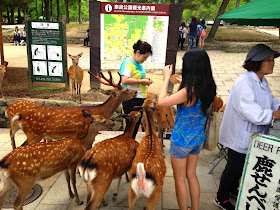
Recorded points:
(134, 70)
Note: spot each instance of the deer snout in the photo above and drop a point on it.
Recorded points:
(76, 64)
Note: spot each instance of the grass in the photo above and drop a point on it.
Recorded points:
(50, 89)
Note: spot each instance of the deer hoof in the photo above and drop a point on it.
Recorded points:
(71, 195)
(114, 199)
(80, 202)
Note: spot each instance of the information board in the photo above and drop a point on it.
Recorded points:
(260, 183)
(45, 41)
(122, 24)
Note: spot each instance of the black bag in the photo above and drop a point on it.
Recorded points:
(181, 34)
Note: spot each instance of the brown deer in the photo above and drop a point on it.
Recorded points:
(3, 71)
(57, 122)
(164, 118)
(148, 167)
(22, 167)
(76, 75)
(16, 108)
(108, 160)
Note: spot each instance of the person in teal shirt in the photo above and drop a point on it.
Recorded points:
(195, 95)
(134, 77)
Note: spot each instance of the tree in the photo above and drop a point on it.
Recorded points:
(216, 24)
(80, 11)
(67, 11)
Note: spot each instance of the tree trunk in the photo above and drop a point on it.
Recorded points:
(216, 24)
(12, 16)
(80, 11)
(119, 0)
(43, 15)
(51, 8)
(19, 16)
(47, 9)
(25, 12)
(37, 14)
(67, 11)
(57, 11)
(8, 16)
(237, 3)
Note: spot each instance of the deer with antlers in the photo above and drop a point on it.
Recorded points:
(76, 75)
(22, 167)
(108, 160)
(57, 122)
(148, 167)
(3, 71)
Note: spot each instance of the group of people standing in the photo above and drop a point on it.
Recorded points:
(195, 33)
(250, 108)
(19, 37)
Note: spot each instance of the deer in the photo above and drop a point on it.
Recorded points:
(148, 167)
(57, 122)
(164, 118)
(22, 167)
(3, 71)
(12, 110)
(108, 160)
(76, 75)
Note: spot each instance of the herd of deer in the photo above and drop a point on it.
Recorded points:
(76, 128)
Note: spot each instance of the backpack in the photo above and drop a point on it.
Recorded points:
(181, 34)
(203, 33)
(198, 31)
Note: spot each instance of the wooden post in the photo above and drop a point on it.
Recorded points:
(175, 15)
(1, 42)
(28, 48)
(65, 54)
(94, 37)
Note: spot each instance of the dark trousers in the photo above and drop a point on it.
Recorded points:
(181, 41)
(86, 41)
(128, 106)
(231, 175)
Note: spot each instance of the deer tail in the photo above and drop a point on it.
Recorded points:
(88, 174)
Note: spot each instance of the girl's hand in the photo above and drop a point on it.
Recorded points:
(276, 115)
(168, 71)
(146, 81)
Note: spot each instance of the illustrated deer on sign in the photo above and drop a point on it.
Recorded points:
(76, 75)
(148, 167)
(108, 160)
(3, 71)
(22, 167)
(58, 122)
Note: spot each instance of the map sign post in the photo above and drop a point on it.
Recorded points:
(260, 183)
(46, 52)
(116, 26)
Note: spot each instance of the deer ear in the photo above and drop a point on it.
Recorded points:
(69, 55)
(123, 116)
(80, 54)
(86, 114)
(6, 63)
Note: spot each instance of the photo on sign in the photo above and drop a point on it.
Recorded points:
(54, 53)
(55, 69)
(38, 52)
(40, 68)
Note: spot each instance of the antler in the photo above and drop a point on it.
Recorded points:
(110, 81)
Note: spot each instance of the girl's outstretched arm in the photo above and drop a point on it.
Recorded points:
(174, 99)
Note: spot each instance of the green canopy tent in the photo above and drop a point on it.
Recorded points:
(255, 13)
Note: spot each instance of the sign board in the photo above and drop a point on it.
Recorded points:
(260, 183)
(122, 24)
(45, 42)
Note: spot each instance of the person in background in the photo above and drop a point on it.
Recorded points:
(86, 40)
(193, 99)
(192, 33)
(182, 35)
(23, 37)
(198, 33)
(16, 38)
(203, 34)
(134, 77)
(250, 108)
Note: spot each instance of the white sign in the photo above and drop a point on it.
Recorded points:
(40, 68)
(42, 25)
(55, 69)
(54, 52)
(260, 183)
(38, 52)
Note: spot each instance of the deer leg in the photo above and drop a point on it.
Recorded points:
(153, 200)
(73, 180)
(74, 86)
(160, 134)
(12, 135)
(80, 85)
(132, 197)
(24, 188)
(32, 139)
(117, 190)
(99, 190)
(8, 188)
(126, 176)
(67, 176)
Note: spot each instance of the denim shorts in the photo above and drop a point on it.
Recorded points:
(182, 152)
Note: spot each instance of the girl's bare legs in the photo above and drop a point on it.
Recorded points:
(179, 173)
(193, 180)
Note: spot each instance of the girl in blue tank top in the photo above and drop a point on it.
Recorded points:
(195, 94)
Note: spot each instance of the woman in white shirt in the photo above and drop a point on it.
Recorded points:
(250, 108)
